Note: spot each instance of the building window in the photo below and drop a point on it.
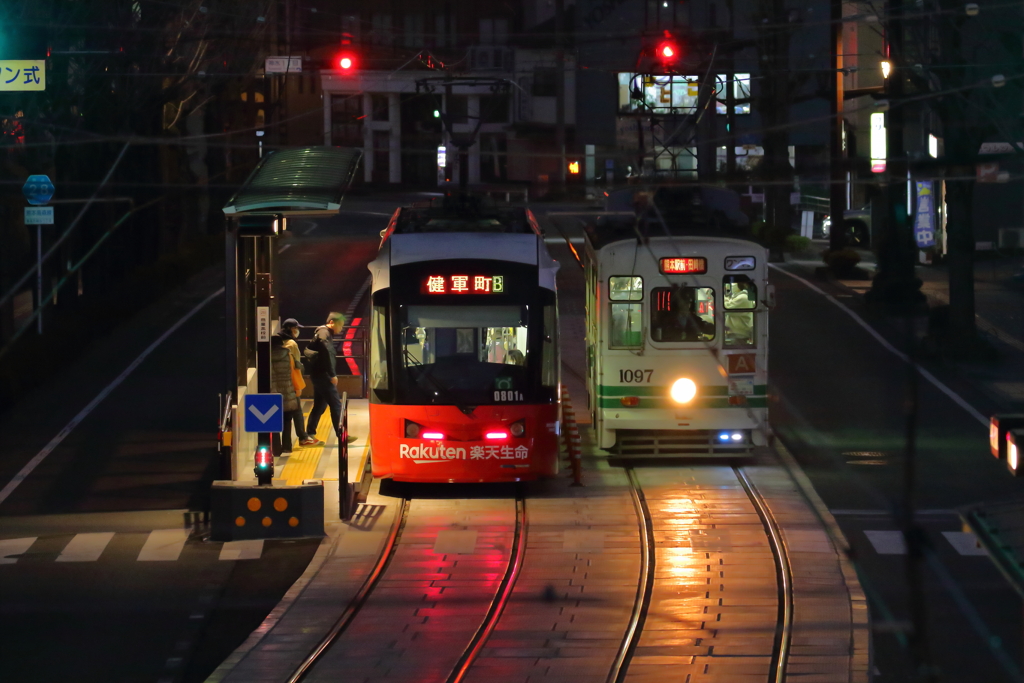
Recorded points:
(675, 94)
(740, 91)
(380, 107)
(545, 82)
(494, 108)
(346, 120)
(380, 30)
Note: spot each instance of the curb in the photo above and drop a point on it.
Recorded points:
(861, 644)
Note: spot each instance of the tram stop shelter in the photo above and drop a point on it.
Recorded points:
(286, 184)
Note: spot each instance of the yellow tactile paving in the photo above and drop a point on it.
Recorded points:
(304, 460)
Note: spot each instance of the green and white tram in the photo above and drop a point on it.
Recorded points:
(677, 343)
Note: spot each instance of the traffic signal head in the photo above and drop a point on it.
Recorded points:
(264, 458)
(347, 62)
(667, 50)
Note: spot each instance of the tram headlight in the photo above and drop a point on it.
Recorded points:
(517, 429)
(683, 390)
(412, 430)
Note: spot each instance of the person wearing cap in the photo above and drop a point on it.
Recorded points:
(324, 374)
(284, 355)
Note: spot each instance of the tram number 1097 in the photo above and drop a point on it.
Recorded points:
(635, 376)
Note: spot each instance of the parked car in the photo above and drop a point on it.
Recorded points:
(856, 223)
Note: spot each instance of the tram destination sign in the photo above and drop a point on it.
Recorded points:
(463, 284)
(681, 265)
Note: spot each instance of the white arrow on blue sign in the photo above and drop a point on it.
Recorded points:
(37, 189)
(264, 413)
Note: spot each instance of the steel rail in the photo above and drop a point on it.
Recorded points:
(357, 602)
(501, 597)
(645, 585)
(783, 577)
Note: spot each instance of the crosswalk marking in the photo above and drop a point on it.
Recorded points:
(242, 550)
(163, 545)
(887, 542)
(964, 542)
(85, 547)
(14, 546)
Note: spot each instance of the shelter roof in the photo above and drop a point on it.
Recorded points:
(297, 181)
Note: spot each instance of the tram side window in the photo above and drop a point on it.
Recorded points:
(740, 300)
(379, 352)
(626, 326)
(682, 314)
(627, 319)
(549, 355)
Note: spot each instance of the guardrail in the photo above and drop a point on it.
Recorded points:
(346, 491)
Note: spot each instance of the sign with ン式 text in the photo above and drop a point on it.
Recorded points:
(22, 74)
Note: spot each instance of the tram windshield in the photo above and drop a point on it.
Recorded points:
(683, 314)
(464, 354)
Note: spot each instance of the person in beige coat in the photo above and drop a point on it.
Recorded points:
(284, 355)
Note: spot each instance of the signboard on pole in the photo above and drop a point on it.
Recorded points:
(283, 65)
(924, 215)
(38, 215)
(263, 323)
(22, 74)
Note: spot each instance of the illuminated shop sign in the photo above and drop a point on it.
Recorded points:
(464, 284)
(684, 265)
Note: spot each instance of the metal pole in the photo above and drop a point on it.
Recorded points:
(39, 277)
(263, 283)
(344, 497)
(560, 94)
(837, 155)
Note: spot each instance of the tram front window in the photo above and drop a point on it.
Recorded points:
(683, 314)
(468, 355)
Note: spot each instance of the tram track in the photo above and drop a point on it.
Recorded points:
(475, 644)
(648, 572)
(361, 596)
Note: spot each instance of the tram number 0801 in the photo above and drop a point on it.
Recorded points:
(635, 376)
(508, 396)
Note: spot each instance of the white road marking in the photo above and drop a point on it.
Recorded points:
(310, 229)
(889, 347)
(887, 542)
(163, 545)
(283, 248)
(14, 546)
(63, 434)
(85, 547)
(242, 550)
(964, 542)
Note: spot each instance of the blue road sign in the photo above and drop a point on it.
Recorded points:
(264, 413)
(37, 189)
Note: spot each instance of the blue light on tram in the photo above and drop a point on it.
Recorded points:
(723, 436)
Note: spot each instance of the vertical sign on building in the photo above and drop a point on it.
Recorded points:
(878, 142)
(924, 215)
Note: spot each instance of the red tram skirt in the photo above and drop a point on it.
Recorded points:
(464, 454)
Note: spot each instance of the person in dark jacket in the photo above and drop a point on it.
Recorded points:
(284, 355)
(323, 373)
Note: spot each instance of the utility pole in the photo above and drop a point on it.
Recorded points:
(560, 93)
(837, 152)
(895, 288)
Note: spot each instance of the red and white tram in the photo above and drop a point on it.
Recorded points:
(464, 368)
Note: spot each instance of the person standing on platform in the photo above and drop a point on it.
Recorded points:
(321, 358)
(284, 358)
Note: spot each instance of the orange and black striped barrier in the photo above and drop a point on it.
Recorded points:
(247, 512)
(573, 444)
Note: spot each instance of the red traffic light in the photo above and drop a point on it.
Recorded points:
(346, 62)
(667, 50)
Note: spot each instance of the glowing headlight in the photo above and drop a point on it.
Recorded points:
(683, 390)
